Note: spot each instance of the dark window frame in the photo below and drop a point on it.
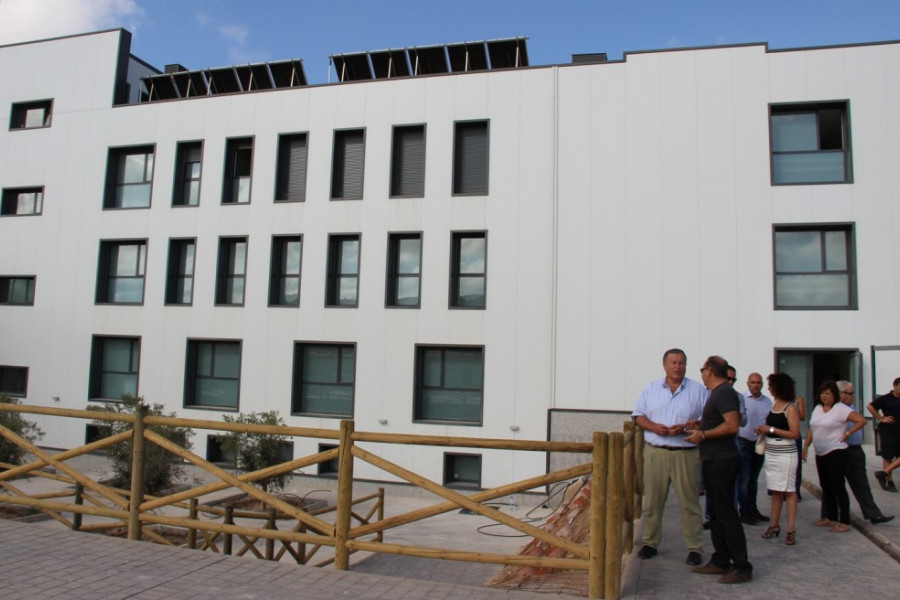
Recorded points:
(238, 166)
(116, 173)
(408, 160)
(298, 381)
(176, 271)
(457, 274)
(278, 270)
(328, 468)
(394, 275)
(5, 283)
(12, 372)
(104, 276)
(816, 108)
(19, 112)
(419, 409)
(335, 276)
(850, 272)
(187, 153)
(342, 171)
(225, 271)
(459, 483)
(471, 171)
(9, 207)
(97, 373)
(191, 377)
(291, 172)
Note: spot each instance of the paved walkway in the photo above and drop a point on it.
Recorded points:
(43, 561)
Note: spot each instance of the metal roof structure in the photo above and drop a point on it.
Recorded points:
(181, 83)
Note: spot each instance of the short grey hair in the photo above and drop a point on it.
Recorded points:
(843, 384)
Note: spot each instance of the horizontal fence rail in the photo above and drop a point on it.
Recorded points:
(612, 464)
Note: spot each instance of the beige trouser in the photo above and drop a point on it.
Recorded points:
(681, 468)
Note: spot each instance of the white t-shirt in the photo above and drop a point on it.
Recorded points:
(828, 428)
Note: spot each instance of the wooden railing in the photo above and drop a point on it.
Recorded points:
(613, 467)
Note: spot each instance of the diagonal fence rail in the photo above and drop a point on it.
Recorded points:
(353, 524)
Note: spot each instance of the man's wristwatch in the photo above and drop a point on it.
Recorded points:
(771, 431)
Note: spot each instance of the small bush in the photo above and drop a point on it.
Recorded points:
(254, 451)
(15, 422)
(162, 470)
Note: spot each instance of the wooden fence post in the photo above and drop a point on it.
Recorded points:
(379, 537)
(229, 520)
(270, 542)
(192, 531)
(628, 459)
(344, 498)
(79, 501)
(614, 515)
(137, 473)
(597, 557)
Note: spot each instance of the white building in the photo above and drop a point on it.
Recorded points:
(503, 252)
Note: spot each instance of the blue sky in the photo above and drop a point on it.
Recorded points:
(212, 33)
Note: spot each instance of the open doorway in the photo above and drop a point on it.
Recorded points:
(810, 368)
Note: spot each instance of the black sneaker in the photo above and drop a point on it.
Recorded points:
(881, 476)
(647, 552)
(891, 487)
(881, 519)
(694, 559)
(760, 516)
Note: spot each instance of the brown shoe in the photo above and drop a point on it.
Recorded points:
(711, 569)
(735, 577)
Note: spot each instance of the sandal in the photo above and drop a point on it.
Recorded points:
(824, 523)
(790, 538)
(772, 531)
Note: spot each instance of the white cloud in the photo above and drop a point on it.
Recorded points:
(234, 33)
(26, 20)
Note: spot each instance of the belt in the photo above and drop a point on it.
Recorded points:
(856, 447)
(674, 447)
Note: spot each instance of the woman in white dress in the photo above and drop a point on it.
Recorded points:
(828, 435)
(782, 429)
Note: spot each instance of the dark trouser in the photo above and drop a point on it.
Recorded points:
(748, 478)
(729, 543)
(859, 483)
(832, 469)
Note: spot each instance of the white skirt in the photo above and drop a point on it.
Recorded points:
(781, 464)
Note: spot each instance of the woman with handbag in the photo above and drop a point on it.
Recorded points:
(781, 429)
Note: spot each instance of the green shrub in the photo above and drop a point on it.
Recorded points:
(162, 469)
(15, 422)
(254, 451)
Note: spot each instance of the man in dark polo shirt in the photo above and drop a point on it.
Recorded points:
(886, 410)
(720, 464)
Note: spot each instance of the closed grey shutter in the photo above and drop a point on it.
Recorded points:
(349, 164)
(408, 162)
(292, 169)
(470, 166)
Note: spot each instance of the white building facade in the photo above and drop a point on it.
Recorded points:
(499, 253)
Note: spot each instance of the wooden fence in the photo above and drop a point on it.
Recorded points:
(613, 466)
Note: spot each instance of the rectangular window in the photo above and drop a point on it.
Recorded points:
(468, 270)
(180, 272)
(348, 165)
(462, 470)
(404, 269)
(22, 201)
(188, 165)
(810, 143)
(17, 290)
(343, 271)
(449, 384)
(129, 177)
(324, 376)
(470, 159)
(232, 271)
(328, 468)
(814, 267)
(284, 276)
(31, 115)
(213, 374)
(408, 162)
(290, 179)
(120, 277)
(114, 367)
(238, 169)
(215, 451)
(13, 381)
